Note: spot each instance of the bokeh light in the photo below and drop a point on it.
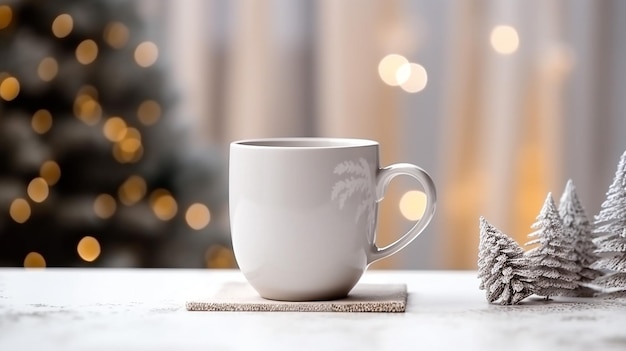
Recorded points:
(115, 129)
(87, 51)
(413, 205)
(149, 112)
(34, 260)
(38, 190)
(132, 190)
(129, 149)
(388, 67)
(122, 156)
(62, 25)
(157, 193)
(19, 210)
(47, 69)
(88, 248)
(116, 34)
(6, 16)
(416, 77)
(198, 216)
(88, 91)
(9, 88)
(41, 122)
(146, 54)
(104, 206)
(163, 204)
(133, 133)
(403, 73)
(130, 145)
(218, 256)
(87, 109)
(51, 172)
(504, 39)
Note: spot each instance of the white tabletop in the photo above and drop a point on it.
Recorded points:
(80, 309)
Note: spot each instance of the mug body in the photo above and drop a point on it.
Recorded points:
(303, 214)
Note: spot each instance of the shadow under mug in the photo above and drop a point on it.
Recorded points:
(303, 213)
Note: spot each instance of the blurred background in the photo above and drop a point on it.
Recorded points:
(115, 116)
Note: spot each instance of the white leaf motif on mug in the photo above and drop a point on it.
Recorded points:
(357, 180)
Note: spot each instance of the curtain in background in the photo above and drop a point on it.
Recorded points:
(497, 131)
(525, 123)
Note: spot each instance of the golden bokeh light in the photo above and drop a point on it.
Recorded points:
(218, 256)
(88, 91)
(416, 77)
(132, 190)
(130, 148)
(104, 206)
(87, 109)
(62, 25)
(119, 156)
(164, 206)
(41, 122)
(20, 210)
(47, 69)
(114, 129)
(198, 216)
(146, 54)
(413, 205)
(122, 156)
(388, 66)
(6, 16)
(50, 172)
(133, 133)
(88, 248)
(130, 145)
(504, 39)
(38, 190)
(9, 88)
(137, 155)
(34, 260)
(86, 51)
(156, 194)
(116, 34)
(149, 112)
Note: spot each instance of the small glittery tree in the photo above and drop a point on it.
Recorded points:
(503, 270)
(554, 264)
(610, 224)
(577, 226)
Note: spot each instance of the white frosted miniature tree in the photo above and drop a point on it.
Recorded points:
(502, 268)
(610, 224)
(576, 224)
(554, 268)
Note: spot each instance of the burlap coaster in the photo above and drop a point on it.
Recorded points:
(363, 298)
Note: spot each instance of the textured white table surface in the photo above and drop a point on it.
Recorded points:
(72, 309)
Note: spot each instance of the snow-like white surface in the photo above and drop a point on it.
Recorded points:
(80, 309)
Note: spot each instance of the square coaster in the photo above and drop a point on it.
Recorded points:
(363, 298)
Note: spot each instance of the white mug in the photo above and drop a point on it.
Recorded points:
(303, 213)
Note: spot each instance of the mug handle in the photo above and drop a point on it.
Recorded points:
(384, 177)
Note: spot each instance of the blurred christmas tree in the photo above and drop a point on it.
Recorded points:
(92, 172)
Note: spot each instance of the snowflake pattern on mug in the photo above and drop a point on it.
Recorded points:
(357, 180)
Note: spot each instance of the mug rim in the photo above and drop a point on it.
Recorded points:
(304, 143)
